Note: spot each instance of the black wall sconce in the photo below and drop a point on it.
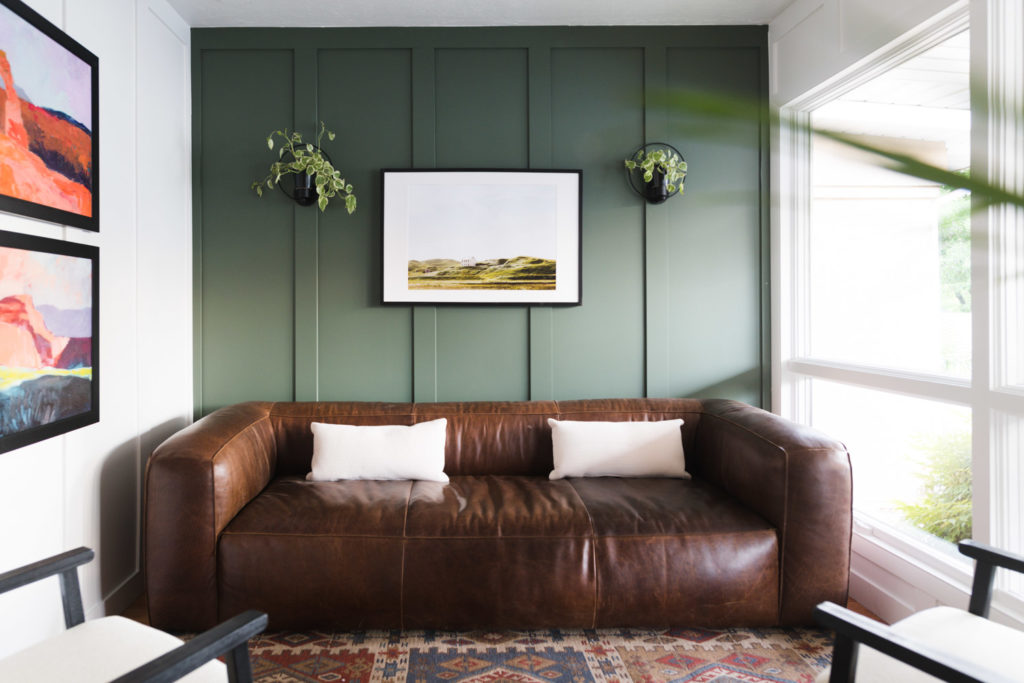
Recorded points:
(665, 167)
(303, 188)
(314, 180)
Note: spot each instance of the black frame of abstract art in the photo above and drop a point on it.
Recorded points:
(69, 174)
(47, 387)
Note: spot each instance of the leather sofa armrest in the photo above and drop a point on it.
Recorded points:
(196, 482)
(800, 481)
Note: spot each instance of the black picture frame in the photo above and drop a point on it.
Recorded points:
(53, 139)
(67, 276)
(492, 237)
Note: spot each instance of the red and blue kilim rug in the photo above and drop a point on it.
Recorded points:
(544, 656)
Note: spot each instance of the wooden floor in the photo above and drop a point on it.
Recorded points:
(138, 612)
(855, 606)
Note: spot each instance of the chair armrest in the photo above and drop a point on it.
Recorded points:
(991, 555)
(801, 482)
(232, 636)
(196, 482)
(66, 566)
(30, 573)
(988, 558)
(853, 629)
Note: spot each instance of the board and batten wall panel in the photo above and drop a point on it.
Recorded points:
(597, 120)
(712, 242)
(244, 246)
(288, 299)
(365, 349)
(482, 122)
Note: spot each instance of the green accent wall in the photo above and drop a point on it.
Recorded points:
(287, 300)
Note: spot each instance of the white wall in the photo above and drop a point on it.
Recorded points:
(84, 488)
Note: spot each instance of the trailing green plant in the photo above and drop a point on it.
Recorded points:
(665, 161)
(305, 157)
(945, 509)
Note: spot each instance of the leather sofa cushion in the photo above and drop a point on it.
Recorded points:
(292, 505)
(499, 551)
(496, 506)
(680, 552)
(632, 507)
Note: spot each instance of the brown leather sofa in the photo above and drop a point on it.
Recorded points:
(758, 536)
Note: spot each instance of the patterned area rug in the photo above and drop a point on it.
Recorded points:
(550, 656)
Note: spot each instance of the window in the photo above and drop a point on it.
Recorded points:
(890, 280)
(901, 312)
(887, 289)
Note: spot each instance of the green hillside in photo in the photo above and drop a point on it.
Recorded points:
(521, 272)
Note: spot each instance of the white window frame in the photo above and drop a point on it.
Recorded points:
(891, 572)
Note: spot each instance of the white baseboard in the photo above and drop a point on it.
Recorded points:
(120, 599)
(893, 585)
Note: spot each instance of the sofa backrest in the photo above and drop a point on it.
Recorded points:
(510, 438)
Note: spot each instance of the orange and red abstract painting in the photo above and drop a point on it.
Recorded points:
(48, 117)
(48, 338)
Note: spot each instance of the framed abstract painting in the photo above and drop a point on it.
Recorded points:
(49, 338)
(482, 237)
(49, 121)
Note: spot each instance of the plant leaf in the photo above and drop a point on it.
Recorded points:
(322, 203)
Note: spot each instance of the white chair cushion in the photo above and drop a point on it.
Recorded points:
(99, 650)
(947, 629)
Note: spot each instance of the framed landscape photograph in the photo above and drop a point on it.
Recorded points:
(482, 237)
(49, 121)
(49, 338)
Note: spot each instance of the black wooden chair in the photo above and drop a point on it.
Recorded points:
(940, 643)
(121, 650)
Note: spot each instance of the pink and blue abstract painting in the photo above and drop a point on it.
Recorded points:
(48, 338)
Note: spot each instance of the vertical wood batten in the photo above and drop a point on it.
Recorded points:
(657, 263)
(306, 237)
(765, 340)
(542, 361)
(424, 155)
(197, 232)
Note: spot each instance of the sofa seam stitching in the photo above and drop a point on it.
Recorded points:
(785, 534)
(762, 437)
(420, 537)
(215, 535)
(401, 578)
(785, 496)
(593, 552)
(291, 416)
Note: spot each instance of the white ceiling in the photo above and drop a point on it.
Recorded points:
(927, 97)
(209, 13)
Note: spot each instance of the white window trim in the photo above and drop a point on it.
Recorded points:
(893, 574)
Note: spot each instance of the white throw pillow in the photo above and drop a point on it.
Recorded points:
(379, 452)
(617, 449)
